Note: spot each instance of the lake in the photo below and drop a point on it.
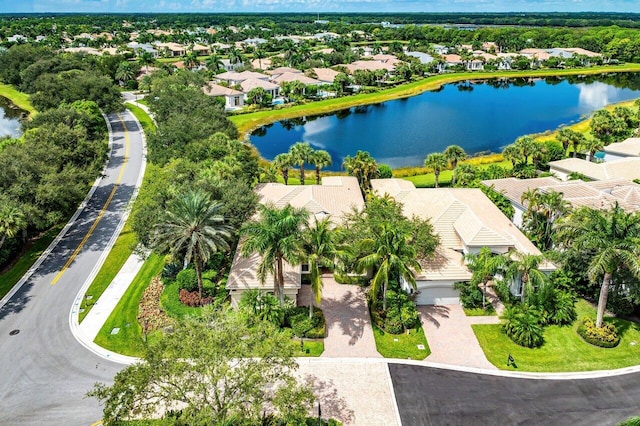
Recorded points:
(480, 116)
(10, 118)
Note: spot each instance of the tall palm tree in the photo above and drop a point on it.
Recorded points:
(391, 256)
(484, 265)
(191, 60)
(453, 154)
(214, 62)
(511, 153)
(525, 266)
(277, 237)
(363, 166)
(320, 158)
(193, 229)
(300, 154)
(321, 251)
(611, 239)
(235, 56)
(544, 208)
(568, 137)
(145, 59)
(436, 161)
(12, 221)
(527, 147)
(125, 72)
(593, 145)
(283, 162)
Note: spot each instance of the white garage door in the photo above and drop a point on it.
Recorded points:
(438, 296)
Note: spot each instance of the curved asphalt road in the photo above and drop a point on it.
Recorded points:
(44, 371)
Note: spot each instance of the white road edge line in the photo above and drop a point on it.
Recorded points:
(74, 313)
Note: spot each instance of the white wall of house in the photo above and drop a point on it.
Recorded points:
(517, 215)
(235, 101)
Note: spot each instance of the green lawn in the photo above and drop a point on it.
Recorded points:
(19, 99)
(118, 255)
(130, 341)
(148, 126)
(13, 274)
(564, 349)
(250, 121)
(170, 302)
(406, 346)
(312, 348)
(479, 312)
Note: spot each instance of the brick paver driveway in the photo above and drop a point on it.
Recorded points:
(451, 338)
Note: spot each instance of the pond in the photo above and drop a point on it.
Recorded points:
(480, 116)
(10, 117)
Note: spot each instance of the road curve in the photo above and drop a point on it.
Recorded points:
(44, 370)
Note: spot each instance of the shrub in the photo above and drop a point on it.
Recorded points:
(298, 320)
(302, 326)
(393, 325)
(170, 270)
(470, 295)
(619, 304)
(262, 306)
(504, 293)
(523, 326)
(564, 311)
(401, 313)
(192, 298)
(384, 171)
(187, 280)
(605, 336)
(350, 279)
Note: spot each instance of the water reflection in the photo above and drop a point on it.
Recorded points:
(10, 119)
(595, 95)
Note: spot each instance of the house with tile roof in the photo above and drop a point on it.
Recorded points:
(233, 99)
(335, 198)
(623, 168)
(466, 221)
(625, 149)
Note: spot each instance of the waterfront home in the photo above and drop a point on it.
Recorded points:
(466, 221)
(594, 194)
(335, 198)
(324, 75)
(294, 76)
(233, 77)
(625, 149)
(233, 99)
(624, 168)
(424, 58)
(251, 83)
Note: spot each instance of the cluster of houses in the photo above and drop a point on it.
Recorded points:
(464, 218)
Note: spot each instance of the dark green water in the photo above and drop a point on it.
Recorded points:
(481, 117)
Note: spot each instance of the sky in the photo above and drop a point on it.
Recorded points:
(315, 6)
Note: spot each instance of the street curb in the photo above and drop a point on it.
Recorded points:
(74, 313)
(70, 223)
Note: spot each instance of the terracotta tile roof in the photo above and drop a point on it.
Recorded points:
(326, 75)
(213, 89)
(290, 76)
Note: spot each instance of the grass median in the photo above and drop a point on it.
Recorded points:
(563, 350)
(402, 346)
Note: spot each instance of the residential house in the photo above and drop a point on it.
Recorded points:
(233, 99)
(172, 49)
(325, 75)
(281, 70)
(625, 149)
(624, 168)
(440, 49)
(143, 47)
(201, 50)
(271, 88)
(465, 221)
(234, 78)
(335, 198)
(595, 194)
(294, 76)
(424, 58)
(259, 64)
(254, 42)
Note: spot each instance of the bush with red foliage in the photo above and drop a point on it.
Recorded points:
(192, 298)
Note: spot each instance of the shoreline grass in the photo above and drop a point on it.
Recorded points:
(19, 99)
(130, 340)
(563, 350)
(250, 121)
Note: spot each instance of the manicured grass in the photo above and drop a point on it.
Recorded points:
(247, 122)
(130, 341)
(406, 346)
(117, 257)
(21, 100)
(564, 349)
(479, 312)
(170, 302)
(312, 348)
(148, 126)
(428, 180)
(13, 275)
(143, 101)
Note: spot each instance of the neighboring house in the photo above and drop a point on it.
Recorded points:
(16, 38)
(87, 50)
(144, 47)
(254, 42)
(440, 49)
(452, 60)
(294, 76)
(281, 70)
(465, 220)
(201, 50)
(594, 194)
(336, 197)
(424, 58)
(625, 168)
(625, 149)
(172, 49)
(325, 75)
(234, 78)
(233, 66)
(369, 66)
(233, 99)
(271, 88)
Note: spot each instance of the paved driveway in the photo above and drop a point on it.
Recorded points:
(451, 338)
(349, 332)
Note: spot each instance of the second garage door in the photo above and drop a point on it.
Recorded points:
(438, 296)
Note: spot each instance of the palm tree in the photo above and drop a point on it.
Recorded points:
(612, 240)
(570, 137)
(544, 208)
(283, 162)
(527, 147)
(453, 154)
(145, 59)
(593, 145)
(391, 256)
(300, 154)
(363, 166)
(277, 237)
(191, 60)
(484, 266)
(259, 54)
(193, 229)
(320, 159)
(12, 221)
(214, 62)
(235, 56)
(525, 266)
(436, 161)
(511, 153)
(321, 251)
(125, 72)
(464, 174)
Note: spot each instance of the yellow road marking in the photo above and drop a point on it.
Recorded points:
(104, 207)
